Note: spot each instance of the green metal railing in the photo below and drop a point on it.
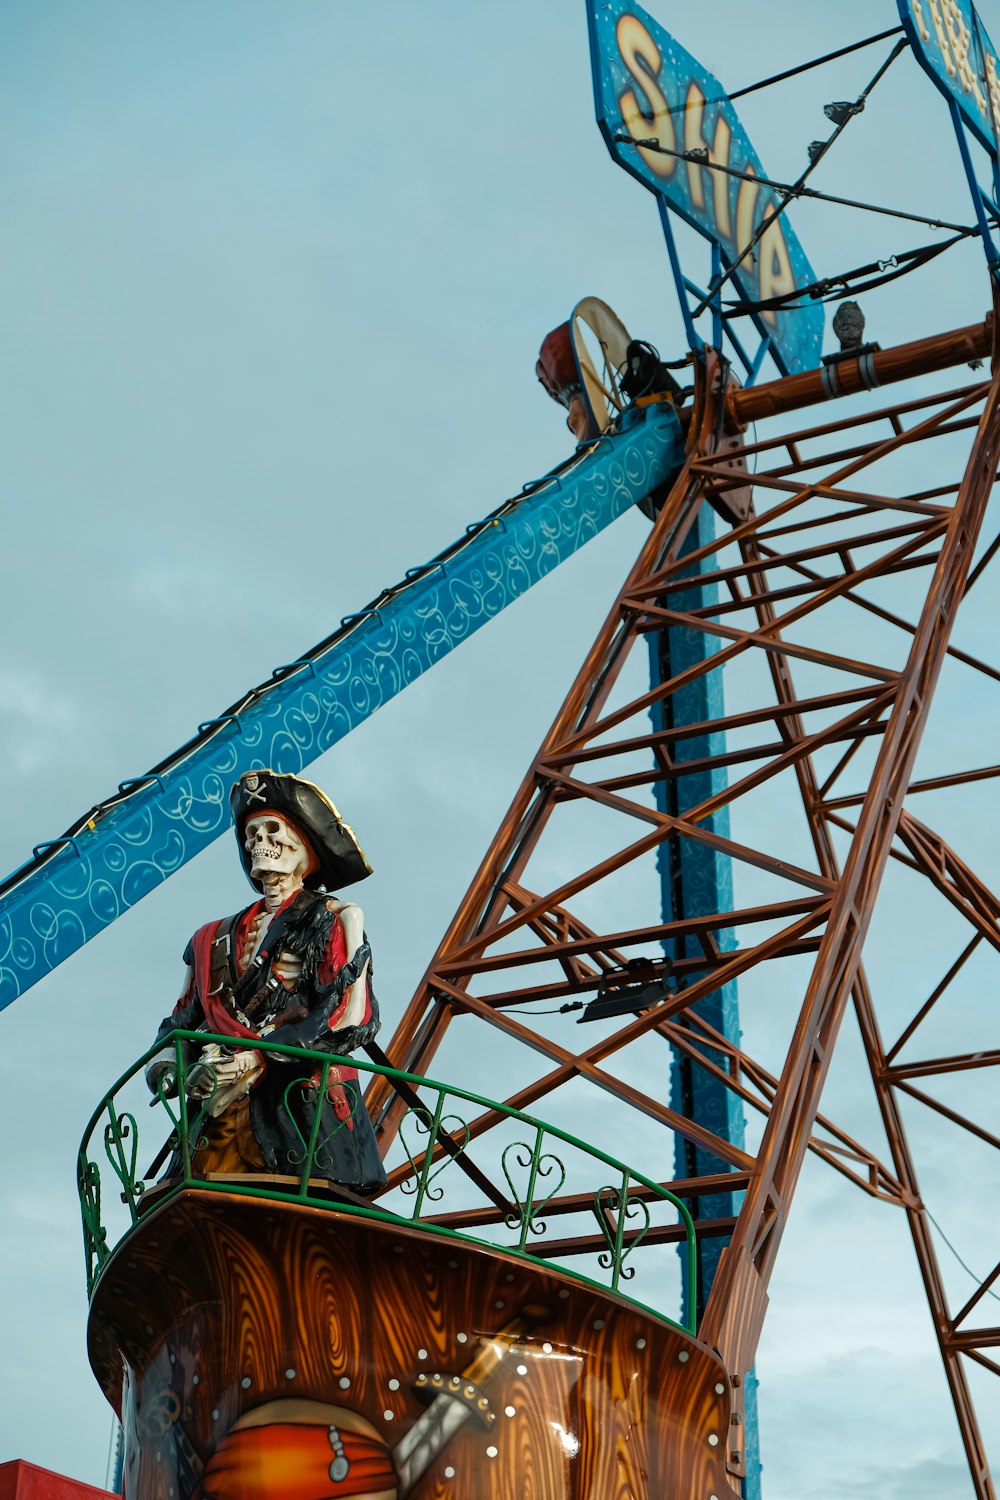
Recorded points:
(434, 1137)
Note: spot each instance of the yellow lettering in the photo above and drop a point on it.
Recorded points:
(922, 27)
(746, 214)
(776, 276)
(718, 152)
(959, 38)
(993, 84)
(954, 40)
(640, 55)
(941, 31)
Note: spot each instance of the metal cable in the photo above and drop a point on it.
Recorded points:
(833, 288)
(817, 62)
(977, 1279)
(702, 159)
(796, 188)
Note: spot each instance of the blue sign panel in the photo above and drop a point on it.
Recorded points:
(951, 44)
(647, 87)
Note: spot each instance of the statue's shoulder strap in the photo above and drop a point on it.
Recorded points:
(209, 953)
(222, 972)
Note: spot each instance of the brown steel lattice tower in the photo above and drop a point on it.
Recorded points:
(838, 583)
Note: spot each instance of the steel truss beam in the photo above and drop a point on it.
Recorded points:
(807, 538)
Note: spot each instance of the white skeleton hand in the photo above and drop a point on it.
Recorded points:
(220, 1072)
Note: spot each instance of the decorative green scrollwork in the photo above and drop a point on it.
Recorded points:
(308, 1104)
(614, 1210)
(539, 1164)
(95, 1236)
(433, 1127)
(197, 1130)
(166, 1089)
(193, 1113)
(431, 1137)
(121, 1145)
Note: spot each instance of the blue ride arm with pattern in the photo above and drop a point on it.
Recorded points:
(77, 885)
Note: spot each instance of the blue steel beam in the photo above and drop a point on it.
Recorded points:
(77, 885)
(697, 881)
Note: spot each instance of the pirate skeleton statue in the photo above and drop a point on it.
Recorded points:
(294, 968)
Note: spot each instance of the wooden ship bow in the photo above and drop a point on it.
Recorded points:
(268, 1335)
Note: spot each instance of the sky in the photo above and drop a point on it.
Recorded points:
(275, 277)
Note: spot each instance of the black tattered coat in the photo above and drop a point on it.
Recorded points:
(322, 1009)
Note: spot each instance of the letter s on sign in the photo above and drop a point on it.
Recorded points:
(640, 55)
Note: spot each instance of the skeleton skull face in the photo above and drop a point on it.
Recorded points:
(274, 847)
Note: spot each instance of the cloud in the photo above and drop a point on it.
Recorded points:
(928, 1478)
(35, 717)
(184, 591)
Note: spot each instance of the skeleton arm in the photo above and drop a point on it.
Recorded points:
(355, 1004)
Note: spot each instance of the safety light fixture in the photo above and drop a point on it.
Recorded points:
(618, 998)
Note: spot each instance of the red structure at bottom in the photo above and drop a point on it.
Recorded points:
(21, 1481)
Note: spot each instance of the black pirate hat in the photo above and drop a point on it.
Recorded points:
(339, 858)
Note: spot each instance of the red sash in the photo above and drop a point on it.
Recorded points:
(221, 1020)
(217, 1015)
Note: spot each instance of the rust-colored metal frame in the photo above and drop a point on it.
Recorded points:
(796, 528)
